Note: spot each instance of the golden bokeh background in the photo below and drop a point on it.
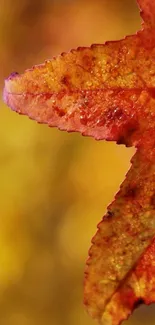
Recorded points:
(54, 186)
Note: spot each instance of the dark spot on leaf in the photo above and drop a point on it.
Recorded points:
(59, 111)
(131, 192)
(66, 80)
(88, 61)
(131, 129)
(127, 132)
(121, 140)
(139, 302)
(109, 215)
(152, 200)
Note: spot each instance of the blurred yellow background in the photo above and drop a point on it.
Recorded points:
(54, 187)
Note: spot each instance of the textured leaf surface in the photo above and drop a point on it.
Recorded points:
(108, 92)
(111, 286)
(91, 90)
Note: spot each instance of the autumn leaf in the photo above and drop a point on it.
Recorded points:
(107, 92)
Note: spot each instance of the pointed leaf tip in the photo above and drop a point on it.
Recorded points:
(97, 91)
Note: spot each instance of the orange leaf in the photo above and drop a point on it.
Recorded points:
(112, 283)
(108, 92)
(147, 12)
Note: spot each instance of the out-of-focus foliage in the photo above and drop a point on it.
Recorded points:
(53, 185)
